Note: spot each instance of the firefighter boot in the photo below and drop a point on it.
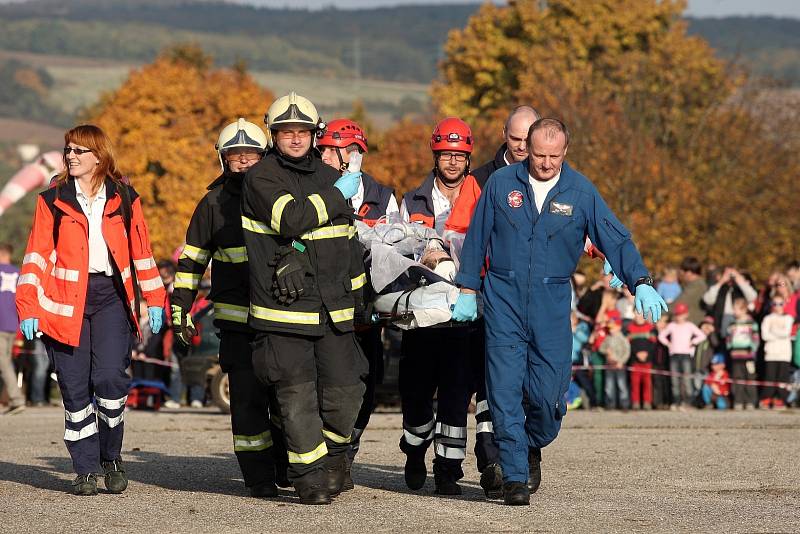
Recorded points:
(85, 485)
(516, 494)
(115, 478)
(348, 480)
(415, 471)
(313, 489)
(445, 484)
(492, 481)
(264, 490)
(534, 469)
(335, 467)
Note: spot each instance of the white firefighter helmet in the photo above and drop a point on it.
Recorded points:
(292, 110)
(241, 134)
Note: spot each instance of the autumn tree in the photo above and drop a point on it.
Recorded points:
(651, 111)
(400, 157)
(164, 121)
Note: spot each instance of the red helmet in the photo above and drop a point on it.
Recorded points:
(452, 134)
(342, 133)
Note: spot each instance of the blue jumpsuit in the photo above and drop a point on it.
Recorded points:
(527, 297)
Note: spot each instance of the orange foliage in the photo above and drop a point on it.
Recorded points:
(164, 121)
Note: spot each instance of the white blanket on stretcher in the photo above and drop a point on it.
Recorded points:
(430, 305)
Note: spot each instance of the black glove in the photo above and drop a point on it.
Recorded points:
(182, 325)
(291, 267)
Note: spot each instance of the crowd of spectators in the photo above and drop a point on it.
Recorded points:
(725, 343)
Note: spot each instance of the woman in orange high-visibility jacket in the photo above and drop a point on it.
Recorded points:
(77, 287)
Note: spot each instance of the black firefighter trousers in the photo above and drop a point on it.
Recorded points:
(257, 442)
(318, 385)
(436, 362)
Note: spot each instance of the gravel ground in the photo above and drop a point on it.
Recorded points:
(699, 471)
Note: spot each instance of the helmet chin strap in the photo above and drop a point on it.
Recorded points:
(342, 164)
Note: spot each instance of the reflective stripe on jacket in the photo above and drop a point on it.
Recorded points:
(287, 199)
(215, 232)
(54, 277)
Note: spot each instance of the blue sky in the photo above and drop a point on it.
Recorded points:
(697, 8)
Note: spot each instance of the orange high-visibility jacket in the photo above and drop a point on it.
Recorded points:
(53, 279)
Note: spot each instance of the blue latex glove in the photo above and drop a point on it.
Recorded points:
(466, 308)
(348, 184)
(615, 282)
(156, 314)
(28, 327)
(648, 301)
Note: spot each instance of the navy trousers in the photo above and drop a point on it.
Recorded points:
(92, 377)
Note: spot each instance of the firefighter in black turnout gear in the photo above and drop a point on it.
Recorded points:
(341, 139)
(215, 231)
(297, 228)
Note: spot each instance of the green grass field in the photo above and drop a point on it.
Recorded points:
(81, 81)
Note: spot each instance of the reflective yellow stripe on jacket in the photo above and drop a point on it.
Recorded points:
(231, 312)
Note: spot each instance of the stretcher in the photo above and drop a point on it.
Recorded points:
(411, 270)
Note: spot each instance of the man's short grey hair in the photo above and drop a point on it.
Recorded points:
(552, 128)
(528, 110)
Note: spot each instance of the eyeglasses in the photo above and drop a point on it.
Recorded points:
(777, 303)
(288, 134)
(243, 157)
(78, 151)
(460, 157)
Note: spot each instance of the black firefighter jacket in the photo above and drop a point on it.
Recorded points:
(285, 199)
(215, 231)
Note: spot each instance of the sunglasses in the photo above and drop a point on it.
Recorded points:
(78, 151)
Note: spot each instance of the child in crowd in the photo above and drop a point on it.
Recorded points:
(681, 337)
(661, 393)
(580, 335)
(668, 287)
(716, 386)
(703, 353)
(776, 330)
(617, 350)
(741, 340)
(642, 338)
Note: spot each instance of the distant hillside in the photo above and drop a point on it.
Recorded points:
(766, 45)
(400, 44)
(393, 44)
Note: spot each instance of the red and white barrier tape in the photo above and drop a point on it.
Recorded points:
(662, 372)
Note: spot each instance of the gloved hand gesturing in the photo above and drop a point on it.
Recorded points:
(648, 301)
(466, 308)
(182, 325)
(348, 184)
(615, 282)
(156, 314)
(28, 327)
(291, 267)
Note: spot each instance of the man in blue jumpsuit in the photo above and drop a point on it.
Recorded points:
(531, 220)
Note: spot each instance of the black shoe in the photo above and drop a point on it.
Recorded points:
(313, 494)
(265, 490)
(516, 494)
(415, 471)
(348, 480)
(444, 485)
(281, 475)
(534, 469)
(115, 479)
(492, 481)
(85, 485)
(335, 474)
